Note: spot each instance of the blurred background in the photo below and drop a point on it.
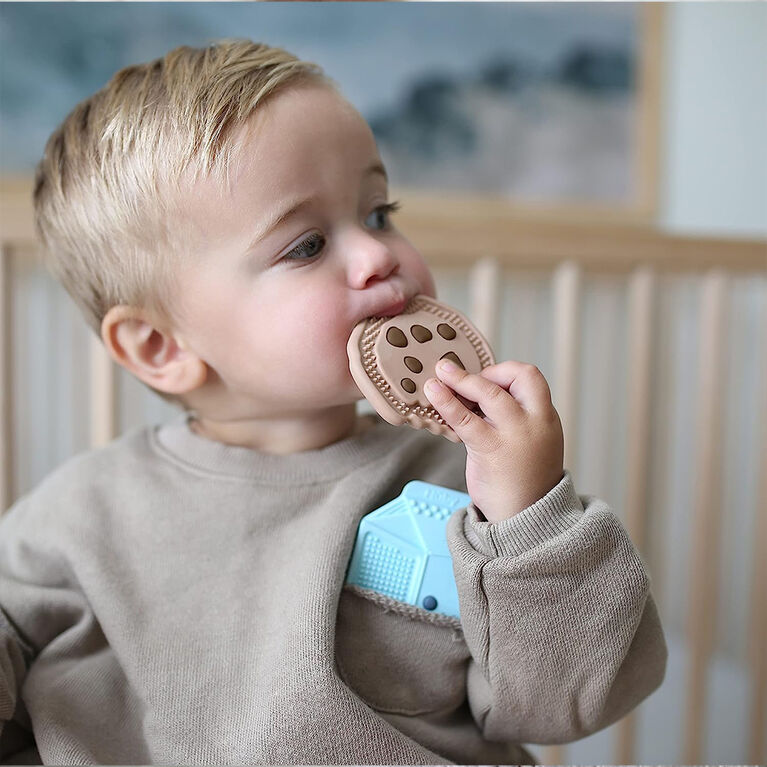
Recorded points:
(589, 182)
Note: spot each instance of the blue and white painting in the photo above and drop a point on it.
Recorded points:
(533, 101)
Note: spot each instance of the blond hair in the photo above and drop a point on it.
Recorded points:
(105, 186)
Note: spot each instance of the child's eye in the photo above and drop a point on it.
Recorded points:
(379, 218)
(308, 248)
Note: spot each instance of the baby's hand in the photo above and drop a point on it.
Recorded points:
(514, 453)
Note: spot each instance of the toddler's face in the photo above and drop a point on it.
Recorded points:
(286, 262)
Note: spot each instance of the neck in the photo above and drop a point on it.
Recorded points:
(282, 436)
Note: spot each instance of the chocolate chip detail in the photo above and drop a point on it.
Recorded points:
(420, 333)
(408, 385)
(396, 337)
(453, 357)
(413, 364)
(446, 331)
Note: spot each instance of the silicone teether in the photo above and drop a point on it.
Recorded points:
(391, 358)
(401, 548)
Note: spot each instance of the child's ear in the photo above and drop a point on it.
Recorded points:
(155, 356)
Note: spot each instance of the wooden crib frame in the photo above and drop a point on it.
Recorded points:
(486, 236)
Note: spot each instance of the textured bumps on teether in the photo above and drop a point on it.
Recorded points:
(391, 358)
(401, 549)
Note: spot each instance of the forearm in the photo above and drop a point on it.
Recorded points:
(557, 613)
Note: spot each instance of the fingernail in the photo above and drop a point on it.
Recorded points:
(447, 366)
(433, 386)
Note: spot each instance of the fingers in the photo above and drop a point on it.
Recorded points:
(494, 400)
(523, 381)
(504, 392)
(470, 427)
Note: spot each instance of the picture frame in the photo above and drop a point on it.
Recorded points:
(471, 51)
(638, 208)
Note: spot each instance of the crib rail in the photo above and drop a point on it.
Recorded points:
(488, 238)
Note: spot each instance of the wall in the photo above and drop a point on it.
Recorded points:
(714, 162)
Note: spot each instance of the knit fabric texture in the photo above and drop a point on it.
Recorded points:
(170, 599)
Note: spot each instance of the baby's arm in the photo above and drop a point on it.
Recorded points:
(557, 613)
(555, 601)
(36, 605)
(15, 655)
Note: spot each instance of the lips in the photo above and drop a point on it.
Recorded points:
(393, 309)
(391, 298)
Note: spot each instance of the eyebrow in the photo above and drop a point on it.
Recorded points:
(277, 219)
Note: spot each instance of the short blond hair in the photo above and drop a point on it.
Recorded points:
(104, 188)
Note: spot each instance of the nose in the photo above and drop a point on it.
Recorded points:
(368, 259)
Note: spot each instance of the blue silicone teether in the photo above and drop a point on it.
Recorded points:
(401, 548)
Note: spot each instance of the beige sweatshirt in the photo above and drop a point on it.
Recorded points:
(170, 599)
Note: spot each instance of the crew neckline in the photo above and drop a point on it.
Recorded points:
(177, 442)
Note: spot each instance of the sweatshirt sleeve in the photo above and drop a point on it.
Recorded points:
(557, 613)
(15, 657)
(38, 602)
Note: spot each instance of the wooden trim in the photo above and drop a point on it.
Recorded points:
(566, 287)
(551, 754)
(456, 231)
(641, 313)
(484, 291)
(704, 553)
(757, 630)
(103, 416)
(453, 231)
(16, 210)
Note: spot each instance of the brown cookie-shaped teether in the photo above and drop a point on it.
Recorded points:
(391, 358)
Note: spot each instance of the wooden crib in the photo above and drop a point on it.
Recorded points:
(655, 347)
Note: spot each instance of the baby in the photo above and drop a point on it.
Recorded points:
(222, 218)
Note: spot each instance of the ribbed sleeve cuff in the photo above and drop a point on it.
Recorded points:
(552, 515)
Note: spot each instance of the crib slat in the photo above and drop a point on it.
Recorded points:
(566, 286)
(6, 378)
(484, 295)
(641, 302)
(641, 309)
(757, 634)
(551, 754)
(103, 413)
(566, 291)
(705, 554)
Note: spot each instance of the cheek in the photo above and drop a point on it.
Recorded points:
(419, 269)
(309, 352)
(310, 328)
(427, 282)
